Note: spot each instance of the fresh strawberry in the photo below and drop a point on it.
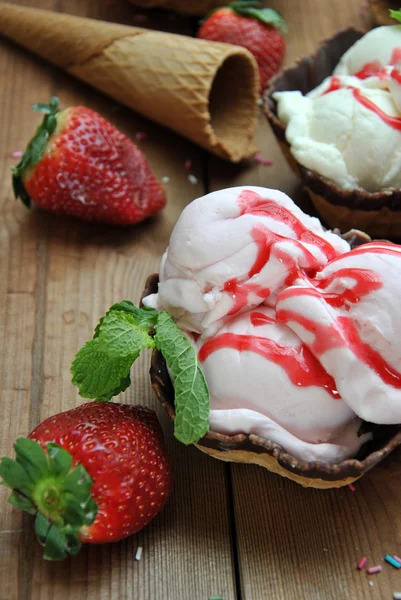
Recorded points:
(79, 164)
(259, 30)
(97, 473)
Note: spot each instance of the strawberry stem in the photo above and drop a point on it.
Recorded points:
(35, 148)
(45, 485)
(395, 14)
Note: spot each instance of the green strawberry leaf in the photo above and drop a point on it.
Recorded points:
(267, 16)
(35, 149)
(395, 14)
(101, 369)
(47, 486)
(191, 392)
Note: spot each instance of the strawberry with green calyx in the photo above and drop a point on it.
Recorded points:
(259, 30)
(81, 475)
(79, 164)
(101, 369)
(395, 14)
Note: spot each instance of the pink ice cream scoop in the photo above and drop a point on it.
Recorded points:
(349, 318)
(235, 249)
(264, 380)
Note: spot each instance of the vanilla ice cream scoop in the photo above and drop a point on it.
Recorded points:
(235, 249)
(264, 380)
(350, 320)
(348, 129)
(376, 49)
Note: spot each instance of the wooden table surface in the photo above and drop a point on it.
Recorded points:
(234, 531)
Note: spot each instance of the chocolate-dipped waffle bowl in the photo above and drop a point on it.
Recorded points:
(253, 449)
(378, 213)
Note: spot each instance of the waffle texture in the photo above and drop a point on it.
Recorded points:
(203, 90)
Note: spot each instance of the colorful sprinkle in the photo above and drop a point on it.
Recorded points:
(188, 164)
(192, 179)
(351, 487)
(374, 570)
(141, 135)
(392, 561)
(17, 154)
(263, 161)
(397, 559)
(362, 563)
(138, 553)
(371, 583)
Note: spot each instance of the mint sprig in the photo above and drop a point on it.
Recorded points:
(45, 484)
(395, 14)
(101, 369)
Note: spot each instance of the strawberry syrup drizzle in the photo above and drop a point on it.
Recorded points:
(343, 333)
(252, 203)
(376, 69)
(396, 75)
(258, 319)
(335, 84)
(395, 57)
(302, 368)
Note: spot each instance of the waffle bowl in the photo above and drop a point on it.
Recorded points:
(379, 213)
(253, 449)
(380, 11)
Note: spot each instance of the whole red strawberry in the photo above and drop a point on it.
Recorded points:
(259, 30)
(97, 473)
(79, 164)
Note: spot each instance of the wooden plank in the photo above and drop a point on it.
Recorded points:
(59, 276)
(296, 543)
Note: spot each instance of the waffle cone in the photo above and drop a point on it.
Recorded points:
(191, 7)
(203, 90)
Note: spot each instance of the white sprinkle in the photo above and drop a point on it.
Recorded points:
(371, 583)
(192, 179)
(17, 154)
(261, 102)
(138, 553)
(165, 179)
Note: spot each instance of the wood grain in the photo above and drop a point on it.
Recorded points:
(296, 543)
(236, 530)
(58, 276)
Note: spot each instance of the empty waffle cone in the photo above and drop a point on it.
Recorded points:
(253, 449)
(203, 90)
(377, 213)
(380, 11)
(189, 7)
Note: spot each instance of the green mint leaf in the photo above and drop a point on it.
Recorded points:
(101, 368)
(395, 14)
(191, 392)
(97, 374)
